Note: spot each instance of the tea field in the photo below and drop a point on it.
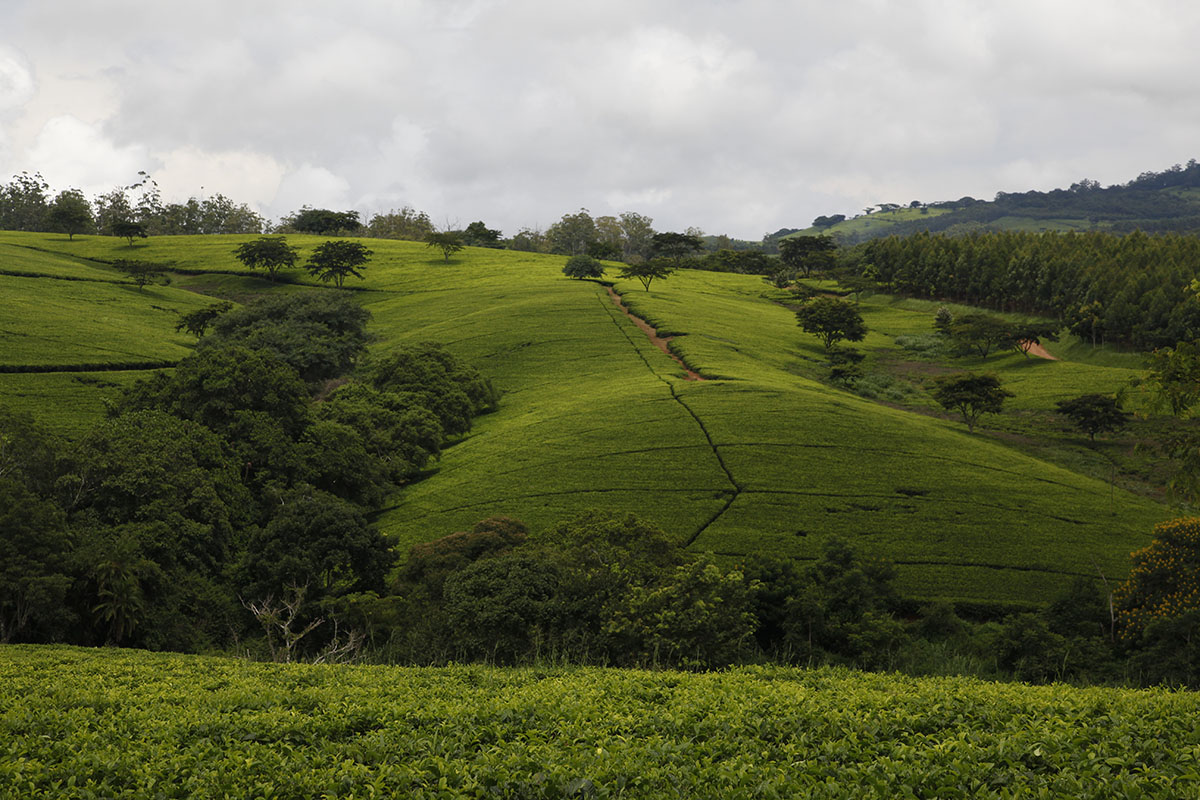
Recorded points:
(760, 457)
(77, 723)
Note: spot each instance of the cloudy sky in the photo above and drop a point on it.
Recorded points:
(735, 116)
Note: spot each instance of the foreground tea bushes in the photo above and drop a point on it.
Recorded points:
(103, 723)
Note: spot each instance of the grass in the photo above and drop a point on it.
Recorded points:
(763, 457)
(118, 723)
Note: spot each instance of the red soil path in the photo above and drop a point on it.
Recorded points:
(659, 341)
(1039, 351)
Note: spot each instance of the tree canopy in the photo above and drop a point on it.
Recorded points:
(335, 260)
(831, 321)
(583, 266)
(647, 271)
(970, 395)
(449, 242)
(271, 253)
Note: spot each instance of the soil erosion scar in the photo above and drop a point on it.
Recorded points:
(659, 341)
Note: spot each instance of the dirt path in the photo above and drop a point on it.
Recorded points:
(659, 341)
(1036, 349)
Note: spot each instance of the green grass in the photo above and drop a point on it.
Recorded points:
(878, 221)
(763, 458)
(116, 723)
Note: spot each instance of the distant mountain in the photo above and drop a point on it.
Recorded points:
(1155, 202)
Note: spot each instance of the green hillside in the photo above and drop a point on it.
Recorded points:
(106, 723)
(1167, 201)
(759, 458)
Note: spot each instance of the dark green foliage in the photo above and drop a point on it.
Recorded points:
(34, 579)
(70, 213)
(454, 392)
(831, 321)
(1130, 289)
(1168, 651)
(140, 272)
(980, 334)
(970, 395)
(320, 334)
(1028, 649)
(318, 541)
(449, 242)
(23, 203)
(430, 563)
(197, 322)
(583, 266)
(322, 221)
(843, 608)
(1094, 413)
(503, 608)
(647, 271)
(808, 254)
(218, 386)
(127, 229)
(396, 429)
(336, 260)
(479, 235)
(271, 253)
(675, 246)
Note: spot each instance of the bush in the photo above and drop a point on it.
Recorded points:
(583, 266)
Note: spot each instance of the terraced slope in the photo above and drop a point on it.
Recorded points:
(756, 459)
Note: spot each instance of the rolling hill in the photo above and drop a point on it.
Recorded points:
(757, 458)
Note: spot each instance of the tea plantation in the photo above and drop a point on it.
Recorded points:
(80, 723)
(760, 457)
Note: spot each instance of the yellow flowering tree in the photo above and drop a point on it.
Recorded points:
(1164, 582)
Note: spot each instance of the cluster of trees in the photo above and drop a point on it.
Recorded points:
(981, 334)
(1130, 289)
(230, 493)
(26, 204)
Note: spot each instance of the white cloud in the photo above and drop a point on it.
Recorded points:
(734, 116)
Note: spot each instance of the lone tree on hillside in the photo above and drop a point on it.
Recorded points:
(1094, 413)
(271, 253)
(477, 234)
(583, 267)
(831, 321)
(970, 395)
(337, 259)
(808, 254)
(127, 229)
(449, 242)
(647, 271)
(141, 272)
(70, 213)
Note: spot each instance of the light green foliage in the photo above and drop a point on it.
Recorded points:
(102, 723)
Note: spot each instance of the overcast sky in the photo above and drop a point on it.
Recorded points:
(735, 116)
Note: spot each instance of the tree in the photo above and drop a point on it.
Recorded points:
(637, 231)
(583, 267)
(449, 242)
(479, 235)
(572, 234)
(271, 253)
(140, 272)
(337, 259)
(1024, 335)
(831, 321)
(808, 254)
(970, 395)
(675, 246)
(647, 271)
(1094, 413)
(127, 229)
(70, 213)
(1164, 580)
(197, 322)
(34, 547)
(23, 204)
(407, 223)
(981, 333)
(322, 221)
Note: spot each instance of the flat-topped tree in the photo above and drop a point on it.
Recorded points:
(970, 395)
(127, 229)
(808, 254)
(647, 271)
(271, 253)
(675, 246)
(333, 261)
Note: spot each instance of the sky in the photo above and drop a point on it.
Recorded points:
(734, 116)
